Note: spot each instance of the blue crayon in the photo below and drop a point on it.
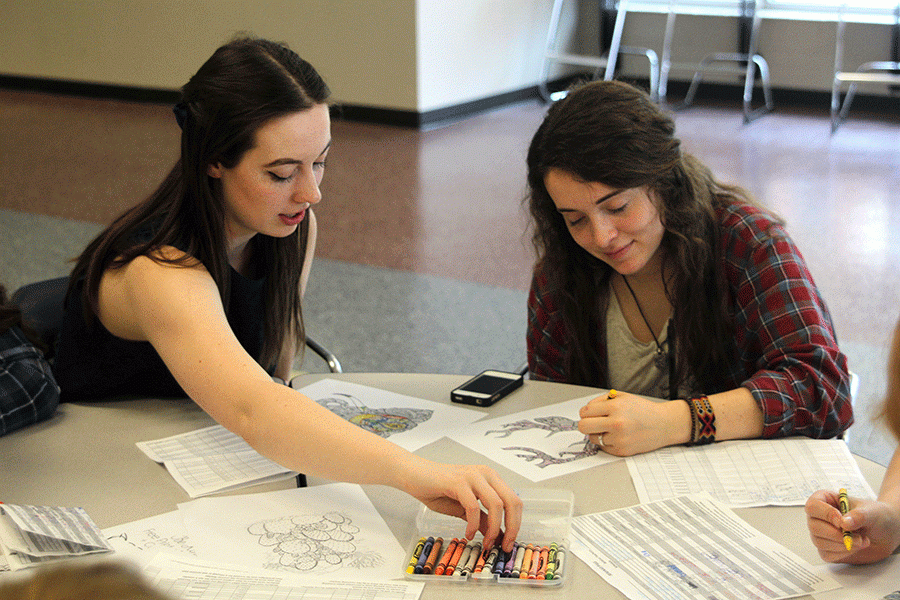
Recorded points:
(507, 570)
(502, 557)
(426, 550)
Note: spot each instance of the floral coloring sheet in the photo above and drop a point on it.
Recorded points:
(325, 530)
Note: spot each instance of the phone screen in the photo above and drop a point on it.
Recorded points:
(487, 384)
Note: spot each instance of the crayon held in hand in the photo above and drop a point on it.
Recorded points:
(844, 504)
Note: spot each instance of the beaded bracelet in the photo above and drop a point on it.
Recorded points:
(703, 421)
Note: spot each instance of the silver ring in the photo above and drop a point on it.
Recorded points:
(600, 439)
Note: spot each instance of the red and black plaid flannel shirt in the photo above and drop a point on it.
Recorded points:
(787, 350)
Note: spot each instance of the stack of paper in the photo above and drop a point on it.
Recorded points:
(32, 535)
(329, 530)
(212, 460)
(688, 548)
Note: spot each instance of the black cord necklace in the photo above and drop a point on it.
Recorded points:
(661, 359)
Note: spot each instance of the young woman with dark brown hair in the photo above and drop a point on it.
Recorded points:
(656, 279)
(196, 291)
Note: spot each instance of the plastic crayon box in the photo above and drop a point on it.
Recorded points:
(438, 553)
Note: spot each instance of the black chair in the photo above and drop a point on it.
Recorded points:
(41, 304)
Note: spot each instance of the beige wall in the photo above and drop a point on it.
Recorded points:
(473, 50)
(411, 55)
(365, 49)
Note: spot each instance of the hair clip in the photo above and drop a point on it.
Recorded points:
(181, 113)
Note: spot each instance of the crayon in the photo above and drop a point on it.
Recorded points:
(448, 554)
(560, 560)
(535, 563)
(451, 566)
(502, 559)
(473, 558)
(415, 556)
(428, 567)
(526, 562)
(491, 560)
(463, 559)
(507, 569)
(844, 504)
(423, 556)
(551, 561)
(542, 564)
(482, 558)
(517, 567)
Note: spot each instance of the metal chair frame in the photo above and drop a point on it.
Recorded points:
(736, 62)
(887, 72)
(605, 62)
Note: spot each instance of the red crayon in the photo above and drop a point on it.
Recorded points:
(432, 556)
(448, 554)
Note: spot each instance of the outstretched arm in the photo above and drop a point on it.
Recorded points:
(179, 311)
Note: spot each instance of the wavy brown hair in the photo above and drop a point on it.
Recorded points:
(245, 84)
(610, 132)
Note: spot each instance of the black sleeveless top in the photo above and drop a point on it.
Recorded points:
(93, 364)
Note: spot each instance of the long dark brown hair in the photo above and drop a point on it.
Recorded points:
(612, 133)
(246, 83)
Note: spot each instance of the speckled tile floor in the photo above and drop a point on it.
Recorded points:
(424, 258)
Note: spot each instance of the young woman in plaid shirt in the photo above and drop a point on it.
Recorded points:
(655, 278)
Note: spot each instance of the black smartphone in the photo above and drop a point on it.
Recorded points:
(487, 388)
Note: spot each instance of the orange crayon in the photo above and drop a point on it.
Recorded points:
(451, 565)
(526, 561)
(432, 556)
(535, 563)
(448, 554)
(480, 564)
(542, 565)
